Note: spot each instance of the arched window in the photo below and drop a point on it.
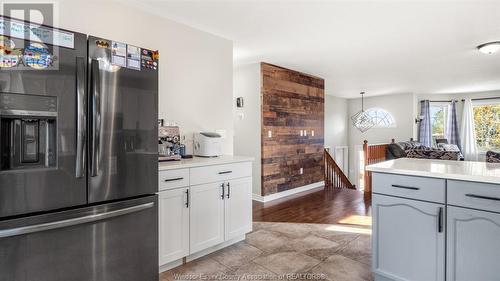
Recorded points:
(381, 117)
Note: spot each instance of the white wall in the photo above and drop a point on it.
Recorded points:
(196, 68)
(247, 120)
(403, 109)
(336, 121)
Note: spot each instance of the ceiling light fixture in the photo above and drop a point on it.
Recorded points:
(489, 48)
(362, 120)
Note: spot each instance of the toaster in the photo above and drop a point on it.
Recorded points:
(207, 144)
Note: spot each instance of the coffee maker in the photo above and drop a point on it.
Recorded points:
(169, 145)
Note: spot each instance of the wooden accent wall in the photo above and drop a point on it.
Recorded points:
(291, 101)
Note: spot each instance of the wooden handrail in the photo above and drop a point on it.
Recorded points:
(334, 177)
(373, 153)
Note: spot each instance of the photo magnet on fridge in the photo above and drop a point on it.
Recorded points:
(118, 54)
(133, 57)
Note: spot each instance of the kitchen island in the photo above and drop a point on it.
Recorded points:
(205, 204)
(436, 220)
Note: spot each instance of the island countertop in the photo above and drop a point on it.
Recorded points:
(202, 161)
(447, 169)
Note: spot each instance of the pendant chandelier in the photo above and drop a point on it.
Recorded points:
(362, 120)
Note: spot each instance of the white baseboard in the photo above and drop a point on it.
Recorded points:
(215, 248)
(170, 265)
(200, 254)
(271, 197)
(257, 197)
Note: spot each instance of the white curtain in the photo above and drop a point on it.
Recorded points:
(467, 133)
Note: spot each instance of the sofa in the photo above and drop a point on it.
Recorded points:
(414, 149)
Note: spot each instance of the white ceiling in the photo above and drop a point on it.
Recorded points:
(381, 47)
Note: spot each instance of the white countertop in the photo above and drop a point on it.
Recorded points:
(457, 170)
(202, 161)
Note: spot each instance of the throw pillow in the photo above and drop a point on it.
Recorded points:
(396, 151)
(405, 145)
(492, 157)
(449, 147)
(432, 154)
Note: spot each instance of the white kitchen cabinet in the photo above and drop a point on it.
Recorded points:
(206, 224)
(220, 173)
(418, 188)
(474, 195)
(473, 245)
(238, 207)
(203, 206)
(408, 193)
(173, 224)
(173, 179)
(408, 239)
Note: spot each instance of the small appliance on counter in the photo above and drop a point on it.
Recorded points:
(169, 146)
(207, 144)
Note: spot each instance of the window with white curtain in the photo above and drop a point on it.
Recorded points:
(487, 123)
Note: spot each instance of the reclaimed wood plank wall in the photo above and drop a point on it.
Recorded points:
(291, 101)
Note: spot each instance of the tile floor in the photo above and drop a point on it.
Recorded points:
(273, 250)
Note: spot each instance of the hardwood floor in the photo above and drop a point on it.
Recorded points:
(330, 206)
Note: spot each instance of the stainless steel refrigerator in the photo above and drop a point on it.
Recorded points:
(78, 158)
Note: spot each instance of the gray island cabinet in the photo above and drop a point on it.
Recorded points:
(436, 220)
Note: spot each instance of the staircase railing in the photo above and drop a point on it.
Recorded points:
(334, 177)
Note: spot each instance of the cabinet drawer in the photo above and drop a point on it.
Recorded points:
(173, 179)
(207, 174)
(482, 196)
(420, 188)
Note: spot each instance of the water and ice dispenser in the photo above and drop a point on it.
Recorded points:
(28, 131)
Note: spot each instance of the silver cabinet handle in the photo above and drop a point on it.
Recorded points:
(405, 187)
(174, 179)
(81, 119)
(228, 190)
(223, 191)
(482, 197)
(225, 172)
(95, 123)
(74, 221)
(440, 220)
(187, 198)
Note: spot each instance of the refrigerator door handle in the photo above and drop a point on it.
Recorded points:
(95, 123)
(81, 117)
(73, 221)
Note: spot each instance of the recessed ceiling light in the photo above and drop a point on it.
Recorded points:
(489, 48)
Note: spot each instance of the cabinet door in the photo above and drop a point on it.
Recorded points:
(473, 245)
(408, 239)
(173, 225)
(238, 207)
(206, 216)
